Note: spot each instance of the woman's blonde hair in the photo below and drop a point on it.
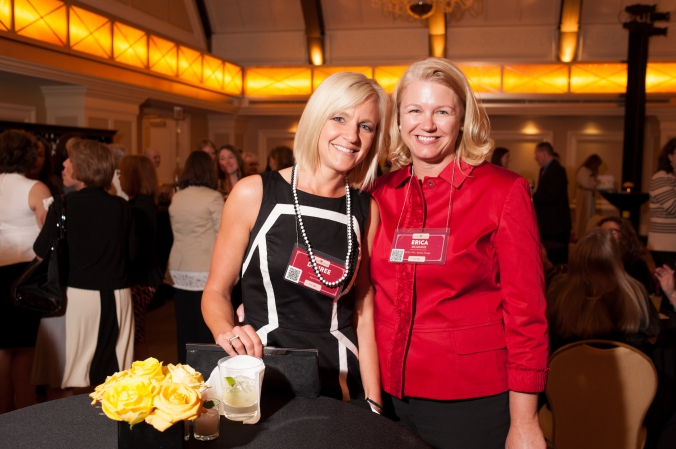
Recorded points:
(473, 143)
(597, 296)
(337, 93)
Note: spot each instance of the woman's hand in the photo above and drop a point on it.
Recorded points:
(524, 430)
(665, 276)
(525, 436)
(241, 340)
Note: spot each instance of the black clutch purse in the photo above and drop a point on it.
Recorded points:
(39, 286)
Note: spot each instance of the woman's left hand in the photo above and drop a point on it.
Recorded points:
(525, 436)
(524, 430)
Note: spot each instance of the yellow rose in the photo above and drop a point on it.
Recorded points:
(97, 394)
(149, 368)
(130, 399)
(173, 403)
(184, 374)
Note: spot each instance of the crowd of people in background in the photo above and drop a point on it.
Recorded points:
(112, 200)
(611, 287)
(112, 204)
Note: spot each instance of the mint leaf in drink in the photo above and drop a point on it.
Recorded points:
(230, 381)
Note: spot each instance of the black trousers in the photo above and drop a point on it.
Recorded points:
(481, 423)
(190, 326)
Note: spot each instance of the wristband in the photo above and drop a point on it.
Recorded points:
(375, 404)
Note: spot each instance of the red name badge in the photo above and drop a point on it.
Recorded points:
(426, 246)
(300, 271)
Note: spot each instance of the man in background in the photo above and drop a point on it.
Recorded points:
(153, 155)
(551, 204)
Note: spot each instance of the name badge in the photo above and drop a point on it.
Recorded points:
(300, 271)
(426, 246)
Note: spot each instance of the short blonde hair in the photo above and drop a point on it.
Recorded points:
(474, 142)
(337, 93)
(93, 163)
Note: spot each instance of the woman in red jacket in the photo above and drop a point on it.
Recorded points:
(456, 266)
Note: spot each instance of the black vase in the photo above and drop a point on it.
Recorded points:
(143, 435)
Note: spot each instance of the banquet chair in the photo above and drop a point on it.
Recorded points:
(599, 392)
(288, 372)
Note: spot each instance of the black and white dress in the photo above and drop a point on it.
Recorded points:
(290, 315)
(93, 336)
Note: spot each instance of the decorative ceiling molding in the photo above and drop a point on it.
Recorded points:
(140, 18)
(114, 86)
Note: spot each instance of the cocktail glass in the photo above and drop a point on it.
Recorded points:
(241, 379)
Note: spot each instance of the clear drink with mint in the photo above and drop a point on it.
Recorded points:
(240, 386)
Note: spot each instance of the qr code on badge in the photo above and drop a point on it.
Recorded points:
(293, 274)
(397, 255)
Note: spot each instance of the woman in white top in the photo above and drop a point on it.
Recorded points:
(23, 205)
(585, 201)
(662, 235)
(195, 214)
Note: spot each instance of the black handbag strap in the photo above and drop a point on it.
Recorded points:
(59, 207)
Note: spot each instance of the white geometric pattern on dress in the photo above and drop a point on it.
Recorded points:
(260, 242)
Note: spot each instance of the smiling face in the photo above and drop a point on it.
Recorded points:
(430, 115)
(227, 161)
(347, 136)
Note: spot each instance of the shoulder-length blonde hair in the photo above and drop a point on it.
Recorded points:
(337, 93)
(473, 143)
(597, 296)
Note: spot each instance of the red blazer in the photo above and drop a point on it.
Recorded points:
(475, 326)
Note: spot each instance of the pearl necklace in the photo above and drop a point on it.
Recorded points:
(299, 218)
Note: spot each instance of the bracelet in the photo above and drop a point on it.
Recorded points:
(375, 404)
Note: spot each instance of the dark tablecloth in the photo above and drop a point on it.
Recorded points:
(73, 423)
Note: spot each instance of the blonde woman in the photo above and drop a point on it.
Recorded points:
(459, 303)
(598, 299)
(307, 223)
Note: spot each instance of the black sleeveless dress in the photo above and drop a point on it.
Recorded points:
(289, 315)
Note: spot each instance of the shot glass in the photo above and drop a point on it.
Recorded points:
(205, 426)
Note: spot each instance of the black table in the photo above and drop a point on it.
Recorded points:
(296, 423)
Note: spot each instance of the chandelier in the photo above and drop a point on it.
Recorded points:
(422, 9)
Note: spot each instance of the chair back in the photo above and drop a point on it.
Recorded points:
(599, 392)
(288, 372)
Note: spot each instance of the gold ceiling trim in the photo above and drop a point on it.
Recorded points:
(75, 29)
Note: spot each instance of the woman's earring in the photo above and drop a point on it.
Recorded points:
(399, 127)
(462, 128)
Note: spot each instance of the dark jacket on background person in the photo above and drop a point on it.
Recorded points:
(145, 268)
(551, 201)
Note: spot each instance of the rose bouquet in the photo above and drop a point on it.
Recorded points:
(160, 395)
